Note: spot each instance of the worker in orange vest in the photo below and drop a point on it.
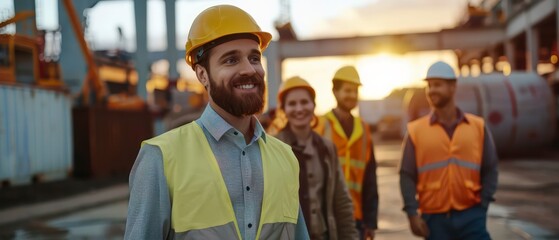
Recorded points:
(448, 173)
(352, 137)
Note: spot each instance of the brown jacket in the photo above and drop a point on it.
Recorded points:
(337, 202)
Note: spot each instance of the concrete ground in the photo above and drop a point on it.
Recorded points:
(526, 206)
(526, 199)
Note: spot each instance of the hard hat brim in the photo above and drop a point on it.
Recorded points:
(264, 40)
(439, 78)
(347, 81)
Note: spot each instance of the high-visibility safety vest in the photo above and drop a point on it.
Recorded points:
(354, 153)
(200, 203)
(448, 169)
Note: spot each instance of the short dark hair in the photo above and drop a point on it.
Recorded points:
(198, 54)
(204, 60)
(337, 84)
(447, 81)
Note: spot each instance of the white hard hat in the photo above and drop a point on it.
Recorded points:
(440, 70)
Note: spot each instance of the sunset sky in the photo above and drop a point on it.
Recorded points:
(311, 19)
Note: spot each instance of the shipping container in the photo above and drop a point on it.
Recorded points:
(35, 134)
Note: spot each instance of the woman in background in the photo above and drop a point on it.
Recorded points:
(323, 195)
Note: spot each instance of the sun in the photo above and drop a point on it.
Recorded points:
(382, 73)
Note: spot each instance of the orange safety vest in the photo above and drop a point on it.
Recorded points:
(448, 169)
(353, 152)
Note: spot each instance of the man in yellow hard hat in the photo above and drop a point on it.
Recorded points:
(221, 176)
(448, 173)
(352, 137)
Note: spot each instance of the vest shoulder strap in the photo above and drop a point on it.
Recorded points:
(477, 120)
(414, 126)
(165, 140)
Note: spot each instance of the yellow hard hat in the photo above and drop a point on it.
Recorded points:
(292, 83)
(348, 74)
(219, 21)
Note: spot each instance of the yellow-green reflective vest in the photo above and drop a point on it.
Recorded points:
(201, 206)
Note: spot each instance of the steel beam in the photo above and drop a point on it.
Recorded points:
(447, 39)
(532, 46)
(171, 38)
(530, 17)
(140, 14)
(273, 73)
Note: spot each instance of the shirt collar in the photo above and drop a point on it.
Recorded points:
(217, 126)
(460, 117)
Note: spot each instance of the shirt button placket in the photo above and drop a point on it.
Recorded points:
(248, 194)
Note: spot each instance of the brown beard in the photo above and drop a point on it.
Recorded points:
(443, 100)
(344, 105)
(245, 105)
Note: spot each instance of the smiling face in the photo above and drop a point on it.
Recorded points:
(440, 92)
(347, 95)
(299, 108)
(235, 77)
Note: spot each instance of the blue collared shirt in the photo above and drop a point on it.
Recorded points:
(449, 129)
(241, 167)
(149, 208)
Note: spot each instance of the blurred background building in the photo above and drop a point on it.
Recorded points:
(83, 82)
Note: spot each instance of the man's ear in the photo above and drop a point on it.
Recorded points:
(202, 75)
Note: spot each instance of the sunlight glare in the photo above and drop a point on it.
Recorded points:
(382, 73)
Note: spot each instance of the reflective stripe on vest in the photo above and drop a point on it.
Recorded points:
(448, 169)
(354, 151)
(201, 205)
(442, 164)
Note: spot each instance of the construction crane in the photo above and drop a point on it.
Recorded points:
(285, 12)
(102, 70)
(283, 23)
(109, 120)
(19, 58)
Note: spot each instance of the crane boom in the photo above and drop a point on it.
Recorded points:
(92, 78)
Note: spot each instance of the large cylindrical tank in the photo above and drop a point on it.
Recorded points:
(518, 108)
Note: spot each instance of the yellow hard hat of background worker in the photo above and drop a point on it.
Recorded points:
(292, 83)
(219, 21)
(347, 74)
